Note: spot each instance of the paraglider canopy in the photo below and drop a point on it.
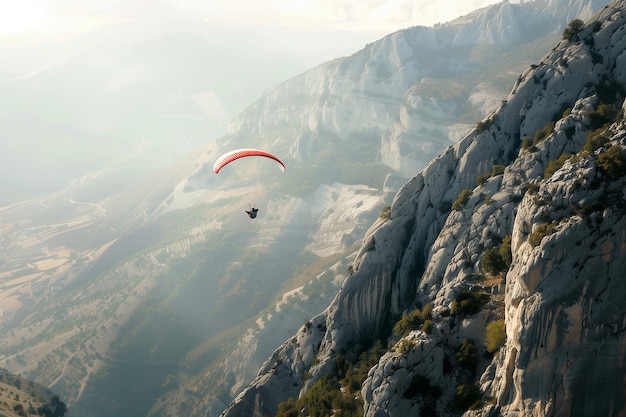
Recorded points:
(231, 156)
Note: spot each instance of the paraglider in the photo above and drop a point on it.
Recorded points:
(252, 212)
(231, 156)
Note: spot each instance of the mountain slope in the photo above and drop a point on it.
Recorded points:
(304, 114)
(19, 397)
(164, 296)
(560, 199)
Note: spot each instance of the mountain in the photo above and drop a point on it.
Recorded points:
(19, 397)
(494, 280)
(162, 298)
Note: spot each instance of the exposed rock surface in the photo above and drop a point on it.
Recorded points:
(563, 308)
(385, 100)
(403, 87)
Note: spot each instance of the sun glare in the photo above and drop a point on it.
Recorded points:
(20, 16)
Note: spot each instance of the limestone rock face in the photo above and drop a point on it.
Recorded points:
(388, 91)
(528, 171)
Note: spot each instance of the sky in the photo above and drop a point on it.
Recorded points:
(45, 16)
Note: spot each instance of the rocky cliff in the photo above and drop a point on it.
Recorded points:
(541, 182)
(142, 283)
(413, 92)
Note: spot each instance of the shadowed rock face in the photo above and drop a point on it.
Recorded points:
(562, 306)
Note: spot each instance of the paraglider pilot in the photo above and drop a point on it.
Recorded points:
(252, 212)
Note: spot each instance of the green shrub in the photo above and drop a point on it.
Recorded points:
(481, 179)
(595, 140)
(596, 25)
(527, 144)
(467, 355)
(483, 125)
(566, 112)
(288, 409)
(603, 115)
(412, 321)
(540, 232)
(554, 166)
(613, 162)
(532, 188)
(324, 398)
(495, 171)
(463, 198)
(610, 91)
(468, 302)
(385, 213)
(495, 337)
(573, 29)
(492, 262)
(543, 133)
(427, 327)
(467, 397)
(505, 251)
(405, 346)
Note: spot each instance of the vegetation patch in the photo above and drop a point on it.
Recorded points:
(468, 302)
(610, 91)
(497, 261)
(602, 116)
(495, 337)
(532, 188)
(427, 327)
(463, 198)
(541, 231)
(335, 396)
(405, 346)
(527, 144)
(413, 321)
(467, 355)
(555, 165)
(385, 213)
(325, 398)
(573, 29)
(543, 133)
(466, 397)
(613, 162)
(495, 171)
(595, 140)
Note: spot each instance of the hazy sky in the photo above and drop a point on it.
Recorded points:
(19, 16)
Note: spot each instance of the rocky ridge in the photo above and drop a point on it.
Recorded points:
(100, 303)
(562, 305)
(403, 89)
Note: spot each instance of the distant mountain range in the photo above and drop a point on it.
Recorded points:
(492, 286)
(162, 298)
